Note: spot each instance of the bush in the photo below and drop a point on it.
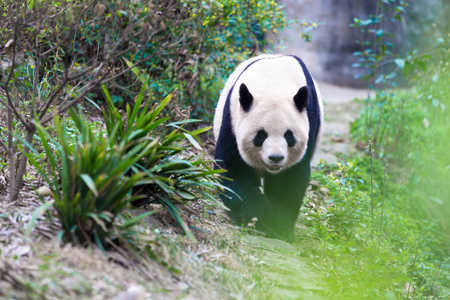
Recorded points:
(171, 174)
(87, 179)
(58, 53)
(140, 160)
(197, 45)
(410, 127)
(345, 204)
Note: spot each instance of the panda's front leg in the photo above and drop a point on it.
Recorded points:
(286, 191)
(245, 200)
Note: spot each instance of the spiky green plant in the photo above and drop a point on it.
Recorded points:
(171, 175)
(87, 179)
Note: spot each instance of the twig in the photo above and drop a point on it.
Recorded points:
(371, 181)
(435, 276)
(415, 258)
(382, 205)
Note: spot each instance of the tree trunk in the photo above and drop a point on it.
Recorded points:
(11, 156)
(22, 165)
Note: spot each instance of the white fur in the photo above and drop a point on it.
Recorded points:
(273, 83)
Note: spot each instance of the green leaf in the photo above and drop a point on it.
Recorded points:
(36, 214)
(407, 69)
(136, 220)
(176, 215)
(379, 32)
(122, 12)
(162, 105)
(400, 62)
(90, 183)
(98, 221)
(193, 141)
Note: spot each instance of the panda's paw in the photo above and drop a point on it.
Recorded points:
(288, 235)
(285, 235)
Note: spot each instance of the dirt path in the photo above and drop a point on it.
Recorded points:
(340, 111)
(293, 276)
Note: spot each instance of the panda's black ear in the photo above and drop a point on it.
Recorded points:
(301, 98)
(245, 98)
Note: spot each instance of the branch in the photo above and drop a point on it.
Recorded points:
(2, 143)
(129, 68)
(91, 85)
(53, 96)
(10, 105)
(123, 38)
(58, 44)
(37, 65)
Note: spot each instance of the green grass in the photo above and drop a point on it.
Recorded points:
(359, 262)
(409, 242)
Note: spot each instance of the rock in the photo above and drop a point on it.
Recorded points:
(44, 191)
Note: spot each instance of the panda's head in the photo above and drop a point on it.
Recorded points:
(272, 127)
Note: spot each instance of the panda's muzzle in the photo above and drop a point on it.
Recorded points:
(276, 158)
(275, 163)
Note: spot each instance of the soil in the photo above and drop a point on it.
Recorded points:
(340, 111)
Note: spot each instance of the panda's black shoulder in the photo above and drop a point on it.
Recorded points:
(313, 109)
(227, 151)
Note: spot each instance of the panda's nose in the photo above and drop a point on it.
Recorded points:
(276, 158)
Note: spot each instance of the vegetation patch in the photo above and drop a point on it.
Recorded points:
(124, 203)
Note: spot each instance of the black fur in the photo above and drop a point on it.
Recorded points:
(313, 111)
(260, 137)
(301, 98)
(290, 139)
(278, 208)
(245, 98)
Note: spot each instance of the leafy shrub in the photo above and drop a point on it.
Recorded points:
(369, 258)
(411, 128)
(171, 175)
(87, 179)
(58, 53)
(139, 160)
(345, 202)
(207, 39)
(43, 70)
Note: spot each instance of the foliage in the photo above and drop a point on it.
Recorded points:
(140, 155)
(344, 206)
(377, 46)
(40, 71)
(405, 243)
(171, 175)
(207, 39)
(87, 179)
(410, 127)
(58, 53)
(364, 261)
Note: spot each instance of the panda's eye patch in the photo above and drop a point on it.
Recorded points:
(290, 139)
(260, 137)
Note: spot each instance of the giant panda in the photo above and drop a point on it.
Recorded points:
(267, 127)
